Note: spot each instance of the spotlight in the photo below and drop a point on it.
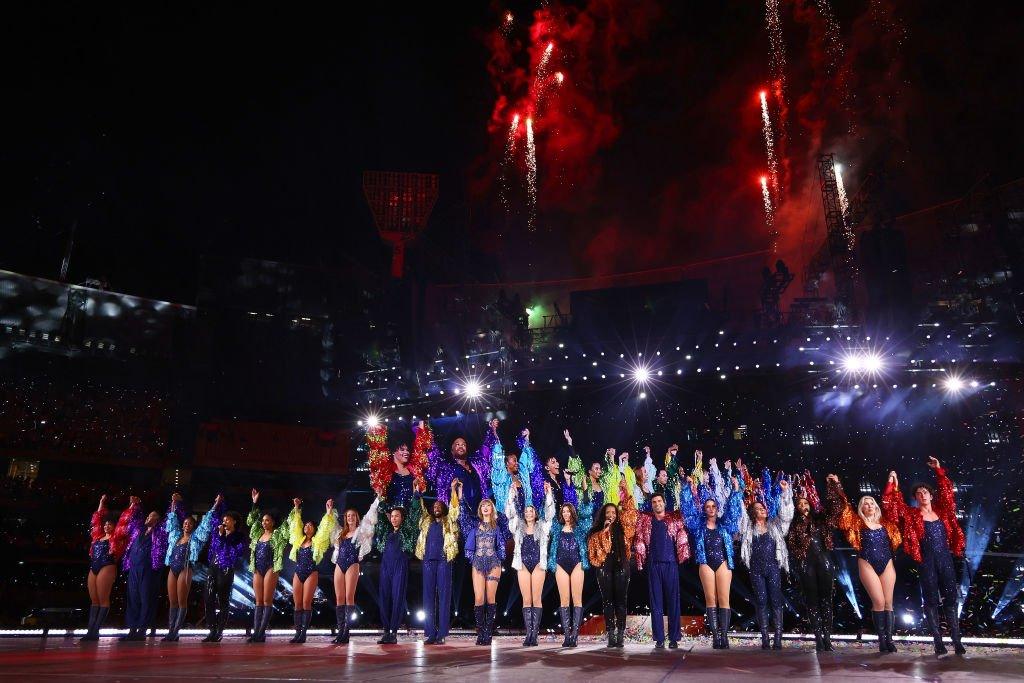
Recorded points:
(872, 362)
(372, 421)
(853, 363)
(954, 385)
(643, 394)
(473, 389)
(641, 374)
(420, 615)
(908, 618)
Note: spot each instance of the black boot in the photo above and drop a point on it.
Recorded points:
(527, 626)
(307, 617)
(879, 619)
(566, 615)
(711, 621)
(538, 614)
(762, 624)
(936, 628)
(953, 620)
(724, 617)
(297, 623)
(341, 623)
(129, 636)
(777, 614)
(93, 633)
(172, 619)
(577, 618)
(268, 611)
(490, 615)
(479, 612)
(890, 629)
(257, 617)
(182, 613)
(620, 626)
(814, 618)
(609, 623)
(826, 627)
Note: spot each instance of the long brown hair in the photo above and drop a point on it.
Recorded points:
(573, 515)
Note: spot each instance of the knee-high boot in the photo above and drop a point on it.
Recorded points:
(953, 619)
(936, 628)
(257, 617)
(724, 617)
(620, 624)
(879, 619)
(610, 626)
(762, 624)
(172, 619)
(577, 617)
(814, 617)
(566, 617)
(711, 621)
(297, 623)
(826, 626)
(341, 623)
(479, 613)
(490, 615)
(527, 625)
(777, 615)
(890, 628)
(538, 614)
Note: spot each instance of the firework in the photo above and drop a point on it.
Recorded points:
(559, 77)
(836, 53)
(541, 81)
(531, 177)
(769, 146)
(769, 212)
(510, 145)
(844, 202)
(508, 162)
(777, 58)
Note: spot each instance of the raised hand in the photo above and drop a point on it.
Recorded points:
(423, 424)
(175, 497)
(103, 502)
(698, 456)
(547, 488)
(893, 478)
(255, 496)
(735, 484)
(134, 500)
(493, 424)
(218, 500)
(933, 462)
(330, 504)
(297, 502)
(832, 478)
(525, 434)
(568, 476)
(568, 437)
(783, 484)
(624, 458)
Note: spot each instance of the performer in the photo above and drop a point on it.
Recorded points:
(184, 542)
(437, 546)
(507, 469)
(474, 473)
(395, 547)
(712, 540)
(143, 560)
(875, 535)
(104, 553)
(657, 533)
(932, 537)
(531, 534)
(668, 480)
(568, 560)
(486, 535)
(609, 548)
(763, 550)
(228, 546)
(267, 541)
(351, 541)
(810, 560)
(395, 474)
(309, 542)
(561, 486)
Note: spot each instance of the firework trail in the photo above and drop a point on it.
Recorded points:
(507, 163)
(777, 58)
(769, 146)
(510, 144)
(531, 177)
(844, 201)
(541, 81)
(836, 53)
(769, 213)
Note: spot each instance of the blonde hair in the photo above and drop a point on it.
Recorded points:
(878, 515)
(493, 523)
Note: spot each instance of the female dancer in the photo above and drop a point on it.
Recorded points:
(609, 549)
(530, 557)
(932, 537)
(763, 549)
(485, 549)
(876, 536)
(184, 541)
(352, 541)
(309, 543)
(568, 562)
(712, 537)
(810, 560)
(266, 557)
(103, 560)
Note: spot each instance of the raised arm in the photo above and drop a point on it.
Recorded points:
(382, 467)
(549, 509)
(784, 517)
(96, 524)
(893, 505)
(207, 524)
(945, 506)
(730, 520)
(628, 513)
(363, 536)
(688, 507)
(322, 537)
(611, 476)
(419, 459)
(510, 511)
(128, 527)
(839, 514)
(529, 464)
(255, 518)
(720, 487)
(172, 525)
(501, 480)
(295, 535)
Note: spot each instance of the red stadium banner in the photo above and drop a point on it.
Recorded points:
(274, 447)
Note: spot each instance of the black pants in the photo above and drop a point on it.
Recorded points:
(614, 585)
(816, 576)
(217, 594)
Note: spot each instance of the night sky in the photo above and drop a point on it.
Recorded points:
(217, 129)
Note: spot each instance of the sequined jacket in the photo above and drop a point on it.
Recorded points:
(843, 517)
(599, 544)
(449, 526)
(728, 521)
(133, 524)
(362, 538)
(409, 530)
(676, 531)
(321, 539)
(911, 522)
(382, 466)
(200, 535)
(584, 510)
(541, 528)
(278, 539)
(777, 526)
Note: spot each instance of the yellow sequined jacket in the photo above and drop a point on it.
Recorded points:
(450, 526)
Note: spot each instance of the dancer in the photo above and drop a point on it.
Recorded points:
(810, 560)
(763, 550)
(395, 474)
(875, 535)
(657, 534)
(712, 540)
(531, 534)
(437, 546)
(143, 560)
(507, 469)
(486, 537)
(474, 472)
(228, 546)
(104, 553)
(267, 541)
(560, 482)
(185, 539)
(609, 548)
(395, 547)
(932, 537)
(309, 542)
(568, 560)
(352, 541)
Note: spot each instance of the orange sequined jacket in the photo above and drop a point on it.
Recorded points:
(842, 516)
(600, 544)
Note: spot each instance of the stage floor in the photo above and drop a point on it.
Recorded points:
(188, 661)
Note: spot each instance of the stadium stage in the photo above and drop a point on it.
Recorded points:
(59, 658)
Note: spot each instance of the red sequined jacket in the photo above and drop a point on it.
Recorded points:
(676, 532)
